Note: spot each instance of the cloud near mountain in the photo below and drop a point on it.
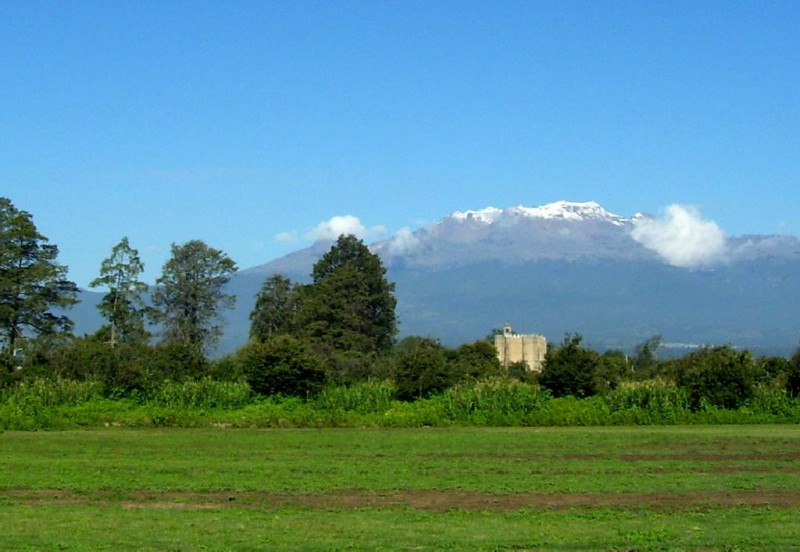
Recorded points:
(403, 242)
(682, 237)
(331, 229)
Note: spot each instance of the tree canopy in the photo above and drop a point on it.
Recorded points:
(123, 305)
(32, 282)
(272, 312)
(350, 306)
(571, 369)
(190, 293)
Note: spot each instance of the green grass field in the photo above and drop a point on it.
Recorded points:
(620, 488)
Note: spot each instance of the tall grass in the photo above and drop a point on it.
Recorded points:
(654, 401)
(60, 403)
(32, 404)
(362, 398)
(32, 396)
(205, 393)
(494, 402)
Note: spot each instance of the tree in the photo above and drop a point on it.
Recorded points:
(190, 293)
(570, 369)
(123, 305)
(350, 306)
(32, 283)
(272, 313)
(645, 355)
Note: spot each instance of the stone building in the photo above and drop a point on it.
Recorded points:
(527, 348)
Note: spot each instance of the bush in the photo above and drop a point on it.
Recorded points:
(226, 368)
(771, 369)
(721, 376)
(283, 365)
(572, 370)
(353, 368)
(175, 361)
(422, 370)
(793, 375)
(477, 360)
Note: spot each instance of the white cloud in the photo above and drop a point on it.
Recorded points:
(286, 237)
(682, 237)
(403, 242)
(344, 224)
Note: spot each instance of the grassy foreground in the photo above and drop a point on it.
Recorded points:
(614, 488)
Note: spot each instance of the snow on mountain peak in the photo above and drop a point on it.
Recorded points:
(559, 210)
(488, 215)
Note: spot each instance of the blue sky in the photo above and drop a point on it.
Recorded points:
(248, 124)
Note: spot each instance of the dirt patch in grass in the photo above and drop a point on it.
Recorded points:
(417, 499)
(712, 457)
(467, 500)
(792, 456)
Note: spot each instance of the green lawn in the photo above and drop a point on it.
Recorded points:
(644, 488)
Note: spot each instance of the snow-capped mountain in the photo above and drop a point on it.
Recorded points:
(559, 210)
(577, 231)
(575, 267)
(560, 230)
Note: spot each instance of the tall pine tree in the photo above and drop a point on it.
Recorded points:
(32, 282)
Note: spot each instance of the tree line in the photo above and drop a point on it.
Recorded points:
(339, 329)
(343, 320)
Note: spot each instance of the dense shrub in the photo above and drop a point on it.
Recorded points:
(64, 404)
(793, 375)
(473, 361)
(721, 376)
(353, 368)
(175, 361)
(570, 369)
(422, 370)
(282, 365)
(771, 369)
(119, 368)
(226, 368)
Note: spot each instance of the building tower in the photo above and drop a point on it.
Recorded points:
(527, 348)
